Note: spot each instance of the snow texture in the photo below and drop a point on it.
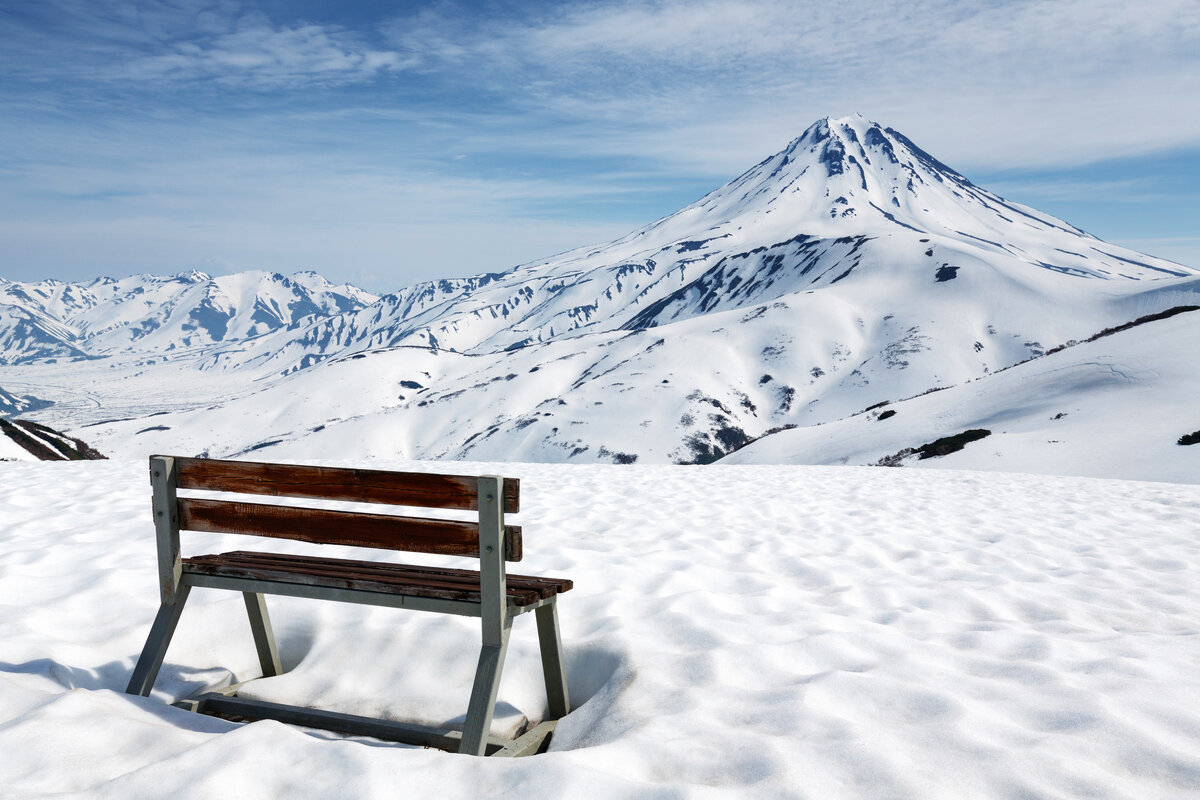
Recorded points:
(763, 631)
(1115, 407)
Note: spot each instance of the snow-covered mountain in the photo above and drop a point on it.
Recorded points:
(29, 334)
(12, 405)
(847, 198)
(150, 314)
(849, 269)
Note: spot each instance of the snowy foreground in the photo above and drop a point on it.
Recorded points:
(759, 631)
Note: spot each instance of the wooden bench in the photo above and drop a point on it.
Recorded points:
(488, 593)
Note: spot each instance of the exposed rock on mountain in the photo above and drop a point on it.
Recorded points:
(23, 440)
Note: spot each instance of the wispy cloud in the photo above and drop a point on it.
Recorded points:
(1097, 189)
(259, 54)
(225, 42)
(704, 86)
(170, 198)
(1032, 82)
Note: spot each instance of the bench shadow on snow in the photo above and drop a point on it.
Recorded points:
(591, 671)
(113, 677)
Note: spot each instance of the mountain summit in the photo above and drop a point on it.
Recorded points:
(854, 176)
(851, 174)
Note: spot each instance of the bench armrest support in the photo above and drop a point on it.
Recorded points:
(164, 479)
(493, 584)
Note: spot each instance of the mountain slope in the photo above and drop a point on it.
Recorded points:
(12, 405)
(693, 391)
(24, 440)
(149, 314)
(27, 334)
(1113, 407)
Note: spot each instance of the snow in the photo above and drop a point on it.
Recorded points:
(1110, 408)
(153, 314)
(753, 631)
(1124, 399)
(11, 451)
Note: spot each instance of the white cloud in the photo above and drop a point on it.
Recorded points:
(228, 42)
(990, 83)
(1119, 191)
(260, 54)
(706, 86)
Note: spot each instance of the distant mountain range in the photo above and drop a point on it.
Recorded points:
(849, 269)
(149, 314)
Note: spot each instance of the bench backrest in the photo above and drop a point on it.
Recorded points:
(322, 526)
(356, 528)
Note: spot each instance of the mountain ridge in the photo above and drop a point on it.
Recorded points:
(151, 314)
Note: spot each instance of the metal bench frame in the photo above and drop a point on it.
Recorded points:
(495, 609)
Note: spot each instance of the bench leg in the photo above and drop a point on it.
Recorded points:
(553, 669)
(156, 644)
(264, 636)
(483, 694)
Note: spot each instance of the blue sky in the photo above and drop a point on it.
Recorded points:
(384, 143)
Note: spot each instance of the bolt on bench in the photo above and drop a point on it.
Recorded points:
(489, 593)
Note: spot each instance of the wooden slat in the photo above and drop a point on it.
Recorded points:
(321, 526)
(422, 489)
(352, 582)
(446, 584)
(545, 587)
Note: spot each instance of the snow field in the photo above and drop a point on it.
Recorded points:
(1110, 408)
(757, 631)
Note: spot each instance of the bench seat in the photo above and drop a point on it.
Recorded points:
(370, 576)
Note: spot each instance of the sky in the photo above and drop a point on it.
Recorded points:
(384, 143)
